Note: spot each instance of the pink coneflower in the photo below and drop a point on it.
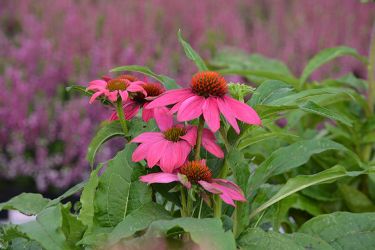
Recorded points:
(115, 88)
(139, 100)
(197, 173)
(207, 95)
(170, 148)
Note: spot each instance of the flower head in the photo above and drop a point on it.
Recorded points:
(207, 95)
(197, 173)
(170, 148)
(114, 88)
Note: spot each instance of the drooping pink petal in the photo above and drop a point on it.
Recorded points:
(131, 109)
(209, 187)
(184, 180)
(113, 116)
(147, 114)
(163, 118)
(95, 88)
(170, 97)
(182, 151)
(175, 107)
(191, 108)
(226, 110)
(148, 137)
(124, 95)
(209, 143)
(136, 88)
(159, 178)
(94, 96)
(191, 135)
(243, 112)
(112, 95)
(229, 188)
(140, 152)
(157, 149)
(211, 113)
(168, 159)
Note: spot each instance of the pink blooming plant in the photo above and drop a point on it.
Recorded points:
(207, 95)
(112, 89)
(197, 173)
(170, 148)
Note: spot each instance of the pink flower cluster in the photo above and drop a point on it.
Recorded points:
(206, 98)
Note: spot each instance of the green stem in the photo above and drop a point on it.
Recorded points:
(366, 154)
(223, 134)
(183, 203)
(200, 209)
(217, 206)
(121, 117)
(198, 144)
(189, 203)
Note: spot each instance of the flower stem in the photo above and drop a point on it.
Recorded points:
(121, 117)
(183, 203)
(217, 206)
(199, 139)
(366, 153)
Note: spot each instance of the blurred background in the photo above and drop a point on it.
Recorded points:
(48, 45)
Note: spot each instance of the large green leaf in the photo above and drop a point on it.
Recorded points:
(343, 230)
(72, 227)
(289, 157)
(268, 91)
(208, 233)
(86, 214)
(119, 192)
(138, 220)
(46, 229)
(259, 239)
(71, 191)
(301, 182)
(191, 53)
(105, 133)
(325, 56)
(314, 108)
(168, 82)
(250, 140)
(26, 203)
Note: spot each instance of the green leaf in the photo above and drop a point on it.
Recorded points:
(138, 220)
(26, 203)
(343, 230)
(289, 157)
(168, 82)
(105, 133)
(355, 200)
(258, 239)
(250, 140)
(46, 229)
(208, 233)
(325, 56)
(72, 227)
(86, 214)
(71, 191)
(191, 53)
(301, 182)
(119, 192)
(82, 90)
(314, 108)
(268, 91)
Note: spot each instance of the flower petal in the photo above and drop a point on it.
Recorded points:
(226, 110)
(243, 112)
(182, 151)
(209, 143)
(124, 95)
(168, 159)
(157, 149)
(95, 95)
(209, 187)
(163, 118)
(211, 113)
(191, 108)
(140, 152)
(112, 95)
(131, 109)
(170, 97)
(98, 83)
(159, 178)
(136, 88)
(191, 135)
(147, 114)
(148, 137)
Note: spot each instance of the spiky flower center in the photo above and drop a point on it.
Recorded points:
(209, 83)
(174, 133)
(117, 84)
(152, 90)
(128, 77)
(196, 171)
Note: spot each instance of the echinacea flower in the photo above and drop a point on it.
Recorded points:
(207, 95)
(138, 100)
(197, 173)
(115, 88)
(170, 148)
